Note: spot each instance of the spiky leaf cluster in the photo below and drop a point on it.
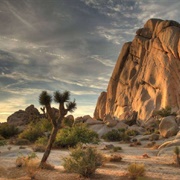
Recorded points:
(45, 98)
(61, 97)
(71, 106)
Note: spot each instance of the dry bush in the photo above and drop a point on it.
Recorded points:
(83, 161)
(136, 170)
(115, 158)
(39, 148)
(30, 163)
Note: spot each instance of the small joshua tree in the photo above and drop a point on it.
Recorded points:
(65, 106)
(177, 157)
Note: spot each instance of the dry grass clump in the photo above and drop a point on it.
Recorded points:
(38, 148)
(136, 170)
(176, 156)
(115, 158)
(30, 163)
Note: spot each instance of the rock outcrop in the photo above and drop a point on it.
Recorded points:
(20, 118)
(147, 73)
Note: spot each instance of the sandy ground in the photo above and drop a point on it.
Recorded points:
(157, 167)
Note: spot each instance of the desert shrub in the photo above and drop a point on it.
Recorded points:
(7, 130)
(136, 170)
(68, 122)
(38, 148)
(164, 112)
(83, 161)
(176, 151)
(42, 141)
(1, 138)
(176, 156)
(3, 142)
(71, 136)
(20, 141)
(36, 130)
(115, 158)
(113, 135)
(131, 132)
(116, 148)
(31, 134)
(30, 162)
(117, 135)
(44, 125)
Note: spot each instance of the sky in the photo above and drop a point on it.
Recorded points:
(67, 45)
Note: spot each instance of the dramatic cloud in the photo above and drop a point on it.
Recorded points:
(67, 45)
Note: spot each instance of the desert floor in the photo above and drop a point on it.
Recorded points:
(157, 167)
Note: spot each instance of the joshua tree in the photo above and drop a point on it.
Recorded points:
(65, 106)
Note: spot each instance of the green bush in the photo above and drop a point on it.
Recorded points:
(83, 161)
(118, 135)
(36, 130)
(21, 142)
(31, 134)
(2, 142)
(68, 122)
(71, 136)
(164, 112)
(113, 135)
(42, 141)
(7, 130)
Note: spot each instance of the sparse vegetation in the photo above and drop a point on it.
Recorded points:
(136, 170)
(177, 157)
(7, 131)
(30, 162)
(119, 135)
(164, 112)
(115, 158)
(71, 136)
(67, 122)
(83, 161)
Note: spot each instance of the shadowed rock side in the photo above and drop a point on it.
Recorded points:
(146, 76)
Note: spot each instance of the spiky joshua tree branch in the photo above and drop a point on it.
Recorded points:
(65, 106)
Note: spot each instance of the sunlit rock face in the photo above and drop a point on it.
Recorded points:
(146, 76)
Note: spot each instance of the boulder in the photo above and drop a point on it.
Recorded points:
(21, 117)
(168, 127)
(146, 75)
(109, 121)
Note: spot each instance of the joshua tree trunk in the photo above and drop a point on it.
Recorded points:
(49, 146)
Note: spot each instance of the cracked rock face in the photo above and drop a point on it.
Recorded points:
(146, 76)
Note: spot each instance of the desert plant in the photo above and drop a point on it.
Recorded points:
(83, 161)
(7, 130)
(67, 122)
(115, 158)
(164, 112)
(71, 136)
(116, 148)
(177, 157)
(31, 134)
(113, 135)
(118, 135)
(38, 148)
(136, 170)
(3, 142)
(42, 141)
(65, 106)
(20, 141)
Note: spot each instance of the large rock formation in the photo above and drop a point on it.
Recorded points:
(146, 76)
(20, 118)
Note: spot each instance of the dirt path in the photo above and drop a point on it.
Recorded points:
(156, 167)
